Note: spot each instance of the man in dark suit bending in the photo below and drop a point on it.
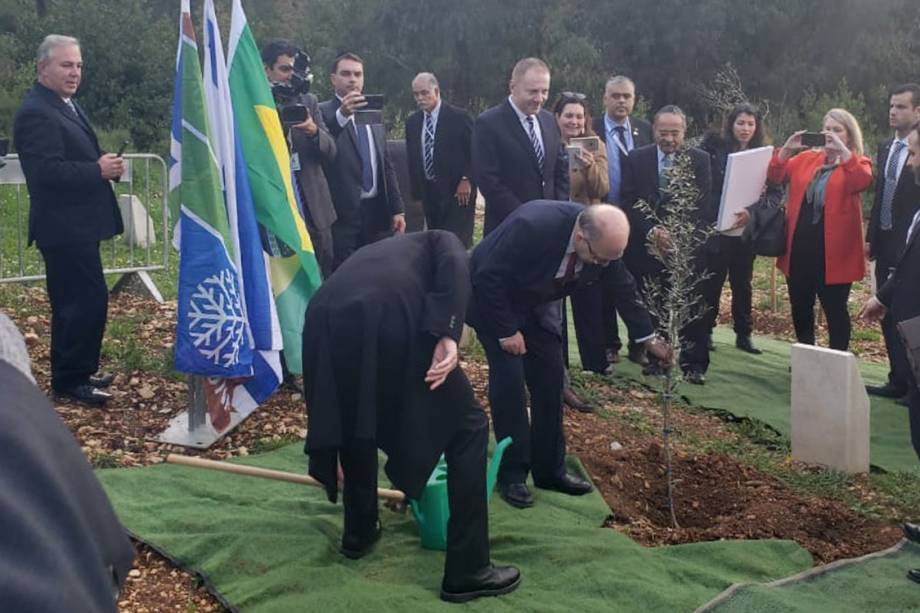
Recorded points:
(362, 179)
(517, 151)
(645, 177)
(542, 252)
(73, 207)
(438, 139)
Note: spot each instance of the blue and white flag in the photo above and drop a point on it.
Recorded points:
(251, 259)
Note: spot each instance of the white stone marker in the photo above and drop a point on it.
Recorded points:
(830, 409)
(139, 227)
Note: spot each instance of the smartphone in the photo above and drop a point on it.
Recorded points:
(121, 150)
(374, 102)
(294, 114)
(812, 139)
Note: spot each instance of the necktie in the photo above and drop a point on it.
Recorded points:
(429, 147)
(569, 273)
(891, 185)
(364, 150)
(665, 175)
(535, 142)
(620, 133)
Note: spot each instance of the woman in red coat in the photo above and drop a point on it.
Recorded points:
(824, 234)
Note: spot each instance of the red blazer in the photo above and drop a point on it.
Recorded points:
(844, 259)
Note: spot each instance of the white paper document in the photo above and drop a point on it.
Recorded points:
(745, 177)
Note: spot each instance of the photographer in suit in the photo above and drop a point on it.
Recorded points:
(288, 70)
(73, 207)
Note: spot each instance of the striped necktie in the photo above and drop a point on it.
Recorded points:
(535, 141)
(664, 177)
(429, 147)
(891, 185)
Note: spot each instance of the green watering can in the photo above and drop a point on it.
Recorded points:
(431, 509)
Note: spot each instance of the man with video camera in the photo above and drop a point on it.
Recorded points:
(288, 71)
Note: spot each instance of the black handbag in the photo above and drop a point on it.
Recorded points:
(765, 231)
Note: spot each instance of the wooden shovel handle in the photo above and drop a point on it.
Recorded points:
(266, 473)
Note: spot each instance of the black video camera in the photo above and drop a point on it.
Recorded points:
(287, 95)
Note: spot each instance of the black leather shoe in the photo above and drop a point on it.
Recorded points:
(911, 531)
(572, 401)
(516, 494)
(695, 377)
(490, 581)
(353, 548)
(885, 391)
(567, 484)
(85, 394)
(102, 379)
(914, 575)
(743, 342)
(637, 354)
(710, 345)
(613, 356)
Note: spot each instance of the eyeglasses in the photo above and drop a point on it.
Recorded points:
(574, 96)
(596, 259)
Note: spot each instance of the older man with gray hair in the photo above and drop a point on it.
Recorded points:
(73, 207)
(438, 138)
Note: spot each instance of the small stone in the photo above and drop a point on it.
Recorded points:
(615, 446)
(134, 573)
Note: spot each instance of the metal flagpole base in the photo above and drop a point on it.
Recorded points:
(192, 428)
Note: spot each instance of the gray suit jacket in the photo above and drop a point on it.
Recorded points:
(313, 153)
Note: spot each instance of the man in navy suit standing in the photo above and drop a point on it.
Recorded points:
(73, 207)
(543, 251)
(517, 151)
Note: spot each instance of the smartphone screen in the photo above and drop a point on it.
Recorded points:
(374, 102)
(812, 139)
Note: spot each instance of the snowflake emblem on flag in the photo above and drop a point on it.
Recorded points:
(215, 319)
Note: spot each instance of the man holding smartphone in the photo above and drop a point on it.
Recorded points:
(73, 207)
(362, 177)
(311, 147)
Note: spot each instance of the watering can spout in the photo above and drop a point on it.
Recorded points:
(492, 472)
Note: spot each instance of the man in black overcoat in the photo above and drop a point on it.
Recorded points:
(73, 207)
(542, 252)
(899, 299)
(380, 370)
(438, 139)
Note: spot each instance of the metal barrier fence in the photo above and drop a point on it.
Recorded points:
(141, 192)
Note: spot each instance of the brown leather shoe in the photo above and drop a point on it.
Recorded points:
(572, 401)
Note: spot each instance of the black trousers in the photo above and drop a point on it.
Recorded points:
(468, 526)
(735, 259)
(538, 443)
(79, 308)
(913, 404)
(443, 212)
(898, 366)
(803, 289)
(694, 345)
(595, 318)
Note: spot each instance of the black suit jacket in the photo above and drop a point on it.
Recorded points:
(640, 182)
(641, 132)
(452, 154)
(905, 203)
(514, 268)
(70, 201)
(901, 292)
(505, 164)
(344, 175)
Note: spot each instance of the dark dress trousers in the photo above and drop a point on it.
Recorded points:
(505, 166)
(885, 246)
(640, 181)
(359, 221)
(901, 294)
(452, 155)
(63, 548)
(368, 340)
(72, 209)
(312, 153)
(513, 270)
(727, 256)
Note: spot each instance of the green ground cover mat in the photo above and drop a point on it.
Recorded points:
(272, 546)
(757, 386)
(876, 583)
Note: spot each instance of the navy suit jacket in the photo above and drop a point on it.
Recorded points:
(640, 182)
(505, 165)
(641, 132)
(452, 155)
(70, 201)
(905, 203)
(901, 292)
(513, 271)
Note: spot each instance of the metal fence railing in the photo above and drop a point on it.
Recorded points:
(144, 246)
